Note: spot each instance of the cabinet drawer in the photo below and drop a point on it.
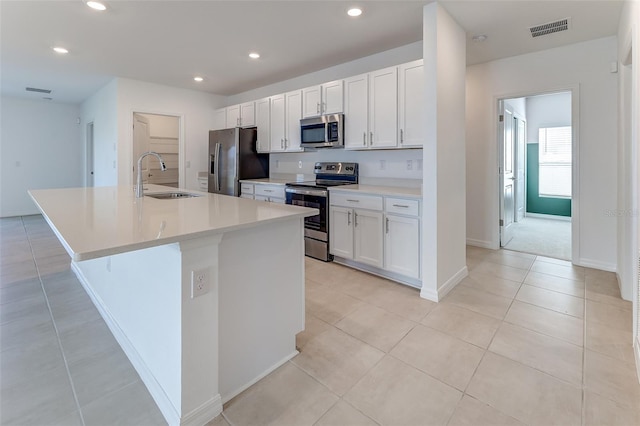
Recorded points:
(270, 190)
(371, 202)
(248, 196)
(246, 188)
(402, 206)
(203, 185)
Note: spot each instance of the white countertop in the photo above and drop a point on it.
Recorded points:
(268, 181)
(102, 221)
(405, 192)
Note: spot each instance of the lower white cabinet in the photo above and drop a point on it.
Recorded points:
(402, 245)
(263, 192)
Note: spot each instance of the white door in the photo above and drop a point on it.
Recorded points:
(520, 166)
(263, 108)
(248, 114)
(341, 232)
(411, 104)
(311, 101)
(383, 108)
(293, 105)
(402, 245)
(91, 163)
(356, 110)
(332, 97)
(233, 117)
(141, 141)
(277, 129)
(367, 236)
(507, 201)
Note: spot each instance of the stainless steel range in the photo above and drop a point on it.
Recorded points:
(314, 194)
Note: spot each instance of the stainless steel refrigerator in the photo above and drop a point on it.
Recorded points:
(232, 157)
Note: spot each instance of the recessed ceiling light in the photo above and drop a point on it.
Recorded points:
(254, 55)
(479, 38)
(59, 49)
(96, 5)
(354, 11)
(198, 79)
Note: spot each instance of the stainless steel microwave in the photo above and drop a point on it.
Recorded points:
(326, 131)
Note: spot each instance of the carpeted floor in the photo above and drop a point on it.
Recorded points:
(545, 237)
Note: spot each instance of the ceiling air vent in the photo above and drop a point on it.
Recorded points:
(33, 89)
(549, 28)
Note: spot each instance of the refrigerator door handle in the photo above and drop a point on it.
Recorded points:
(217, 166)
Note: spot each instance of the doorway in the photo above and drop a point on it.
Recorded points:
(536, 140)
(159, 133)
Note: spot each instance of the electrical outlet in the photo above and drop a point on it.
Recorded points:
(199, 282)
(299, 164)
(383, 164)
(409, 164)
(188, 164)
(277, 164)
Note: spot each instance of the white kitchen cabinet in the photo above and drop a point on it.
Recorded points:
(219, 119)
(322, 99)
(371, 110)
(341, 231)
(402, 245)
(243, 115)
(411, 104)
(277, 123)
(293, 106)
(367, 236)
(263, 122)
(271, 193)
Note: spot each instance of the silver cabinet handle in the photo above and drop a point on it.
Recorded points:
(318, 107)
(371, 138)
(285, 143)
(401, 136)
(268, 190)
(348, 218)
(400, 205)
(355, 218)
(353, 201)
(387, 225)
(324, 107)
(282, 143)
(364, 138)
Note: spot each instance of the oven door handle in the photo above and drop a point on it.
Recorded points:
(317, 192)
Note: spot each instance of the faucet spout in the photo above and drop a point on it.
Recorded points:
(163, 167)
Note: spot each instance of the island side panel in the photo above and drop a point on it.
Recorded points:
(261, 298)
(139, 295)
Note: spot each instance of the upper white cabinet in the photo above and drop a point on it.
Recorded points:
(286, 111)
(263, 122)
(411, 104)
(243, 115)
(219, 119)
(323, 99)
(371, 110)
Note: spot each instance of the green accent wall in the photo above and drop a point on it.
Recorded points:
(535, 203)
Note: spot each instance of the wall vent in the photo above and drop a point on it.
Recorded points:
(34, 89)
(550, 27)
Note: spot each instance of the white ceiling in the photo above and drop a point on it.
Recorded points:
(169, 42)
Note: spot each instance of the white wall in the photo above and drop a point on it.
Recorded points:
(194, 108)
(584, 64)
(444, 209)
(550, 110)
(388, 58)
(40, 147)
(101, 110)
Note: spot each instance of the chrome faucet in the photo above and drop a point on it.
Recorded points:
(139, 189)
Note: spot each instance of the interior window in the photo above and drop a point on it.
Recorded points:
(555, 161)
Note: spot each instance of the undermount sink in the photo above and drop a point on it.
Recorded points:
(172, 195)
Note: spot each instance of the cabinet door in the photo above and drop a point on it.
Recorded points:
(277, 129)
(383, 108)
(233, 116)
(411, 104)
(341, 232)
(402, 245)
(356, 104)
(332, 97)
(367, 237)
(294, 114)
(219, 119)
(263, 117)
(311, 101)
(248, 114)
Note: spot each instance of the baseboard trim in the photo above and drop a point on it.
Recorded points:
(204, 413)
(480, 243)
(548, 216)
(452, 282)
(161, 399)
(636, 351)
(595, 264)
(238, 391)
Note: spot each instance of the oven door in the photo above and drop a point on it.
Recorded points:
(314, 226)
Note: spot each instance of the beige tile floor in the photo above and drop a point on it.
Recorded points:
(522, 340)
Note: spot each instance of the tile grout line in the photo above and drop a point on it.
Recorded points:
(55, 327)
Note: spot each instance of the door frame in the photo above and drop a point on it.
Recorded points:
(574, 89)
(90, 156)
(182, 161)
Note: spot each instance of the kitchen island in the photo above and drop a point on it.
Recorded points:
(204, 294)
